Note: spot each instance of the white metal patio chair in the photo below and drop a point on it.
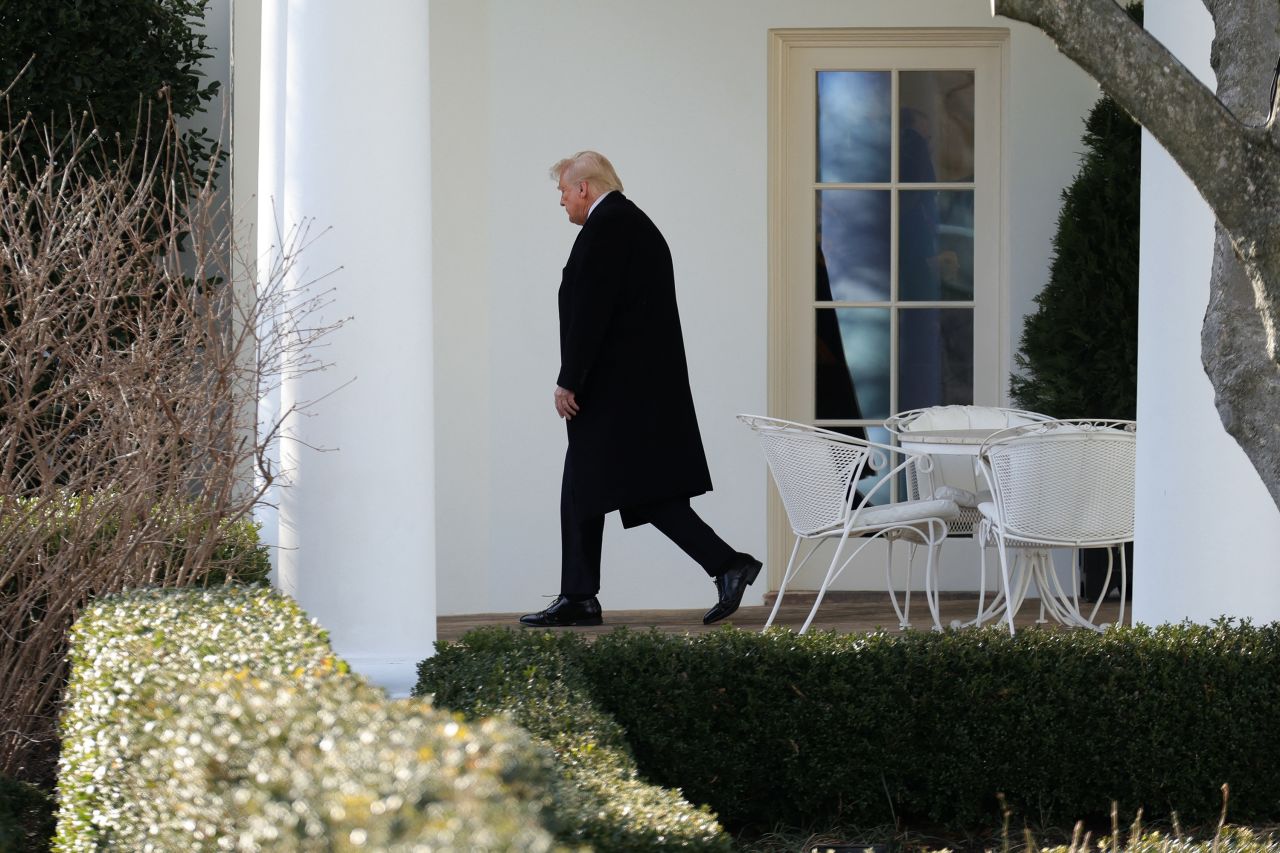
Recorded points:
(817, 474)
(1058, 484)
(955, 477)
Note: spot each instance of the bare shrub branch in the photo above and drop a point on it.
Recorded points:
(130, 365)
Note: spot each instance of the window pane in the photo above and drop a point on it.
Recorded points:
(935, 357)
(851, 366)
(853, 245)
(935, 126)
(935, 244)
(854, 128)
(867, 485)
(878, 434)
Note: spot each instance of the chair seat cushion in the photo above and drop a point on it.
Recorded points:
(908, 511)
(943, 417)
(963, 497)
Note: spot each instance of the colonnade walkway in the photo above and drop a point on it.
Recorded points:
(846, 612)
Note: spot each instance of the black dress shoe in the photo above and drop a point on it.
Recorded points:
(731, 584)
(564, 612)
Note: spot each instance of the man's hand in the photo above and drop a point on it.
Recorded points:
(566, 403)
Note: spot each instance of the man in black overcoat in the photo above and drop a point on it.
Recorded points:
(623, 390)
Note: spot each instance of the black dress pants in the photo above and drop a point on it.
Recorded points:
(581, 539)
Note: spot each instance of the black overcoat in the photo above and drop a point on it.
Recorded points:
(635, 439)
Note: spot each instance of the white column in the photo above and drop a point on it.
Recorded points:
(1207, 530)
(268, 224)
(357, 520)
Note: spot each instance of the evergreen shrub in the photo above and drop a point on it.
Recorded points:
(123, 64)
(539, 680)
(1078, 355)
(222, 720)
(918, 730)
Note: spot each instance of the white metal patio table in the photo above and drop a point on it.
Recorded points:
(949, 442)
(1032, 564)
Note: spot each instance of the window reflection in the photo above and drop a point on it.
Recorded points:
(856, 241)
(935, 244)
(935, 357)
(851, 368)
(935, 126)
(854, 127)
(867, 485)
(853, 245)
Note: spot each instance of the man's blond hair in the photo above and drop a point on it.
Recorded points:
(590, 166)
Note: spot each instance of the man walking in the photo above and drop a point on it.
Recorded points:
(623, 391)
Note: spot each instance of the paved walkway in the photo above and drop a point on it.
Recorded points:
(846, 612)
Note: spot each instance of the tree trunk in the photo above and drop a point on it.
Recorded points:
(1234, 340)
(1229, 146)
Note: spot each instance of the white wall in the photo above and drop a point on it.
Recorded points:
(675, 93)
(217, 27)
(1207, 530)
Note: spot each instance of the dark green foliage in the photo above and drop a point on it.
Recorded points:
(236, 553)
(238, 556)
(26, 816)
(110, 58)
(918, 730)
(539, 680)
(1079, 350)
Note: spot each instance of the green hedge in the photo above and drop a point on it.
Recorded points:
(237, 554)
(537, 678)
(913, 729)
(26, 816)
(196, 720)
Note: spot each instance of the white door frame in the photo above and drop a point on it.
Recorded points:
(793, 54)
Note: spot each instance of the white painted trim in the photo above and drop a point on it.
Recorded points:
(1004, 355)
(781, 43)
(890, 37)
